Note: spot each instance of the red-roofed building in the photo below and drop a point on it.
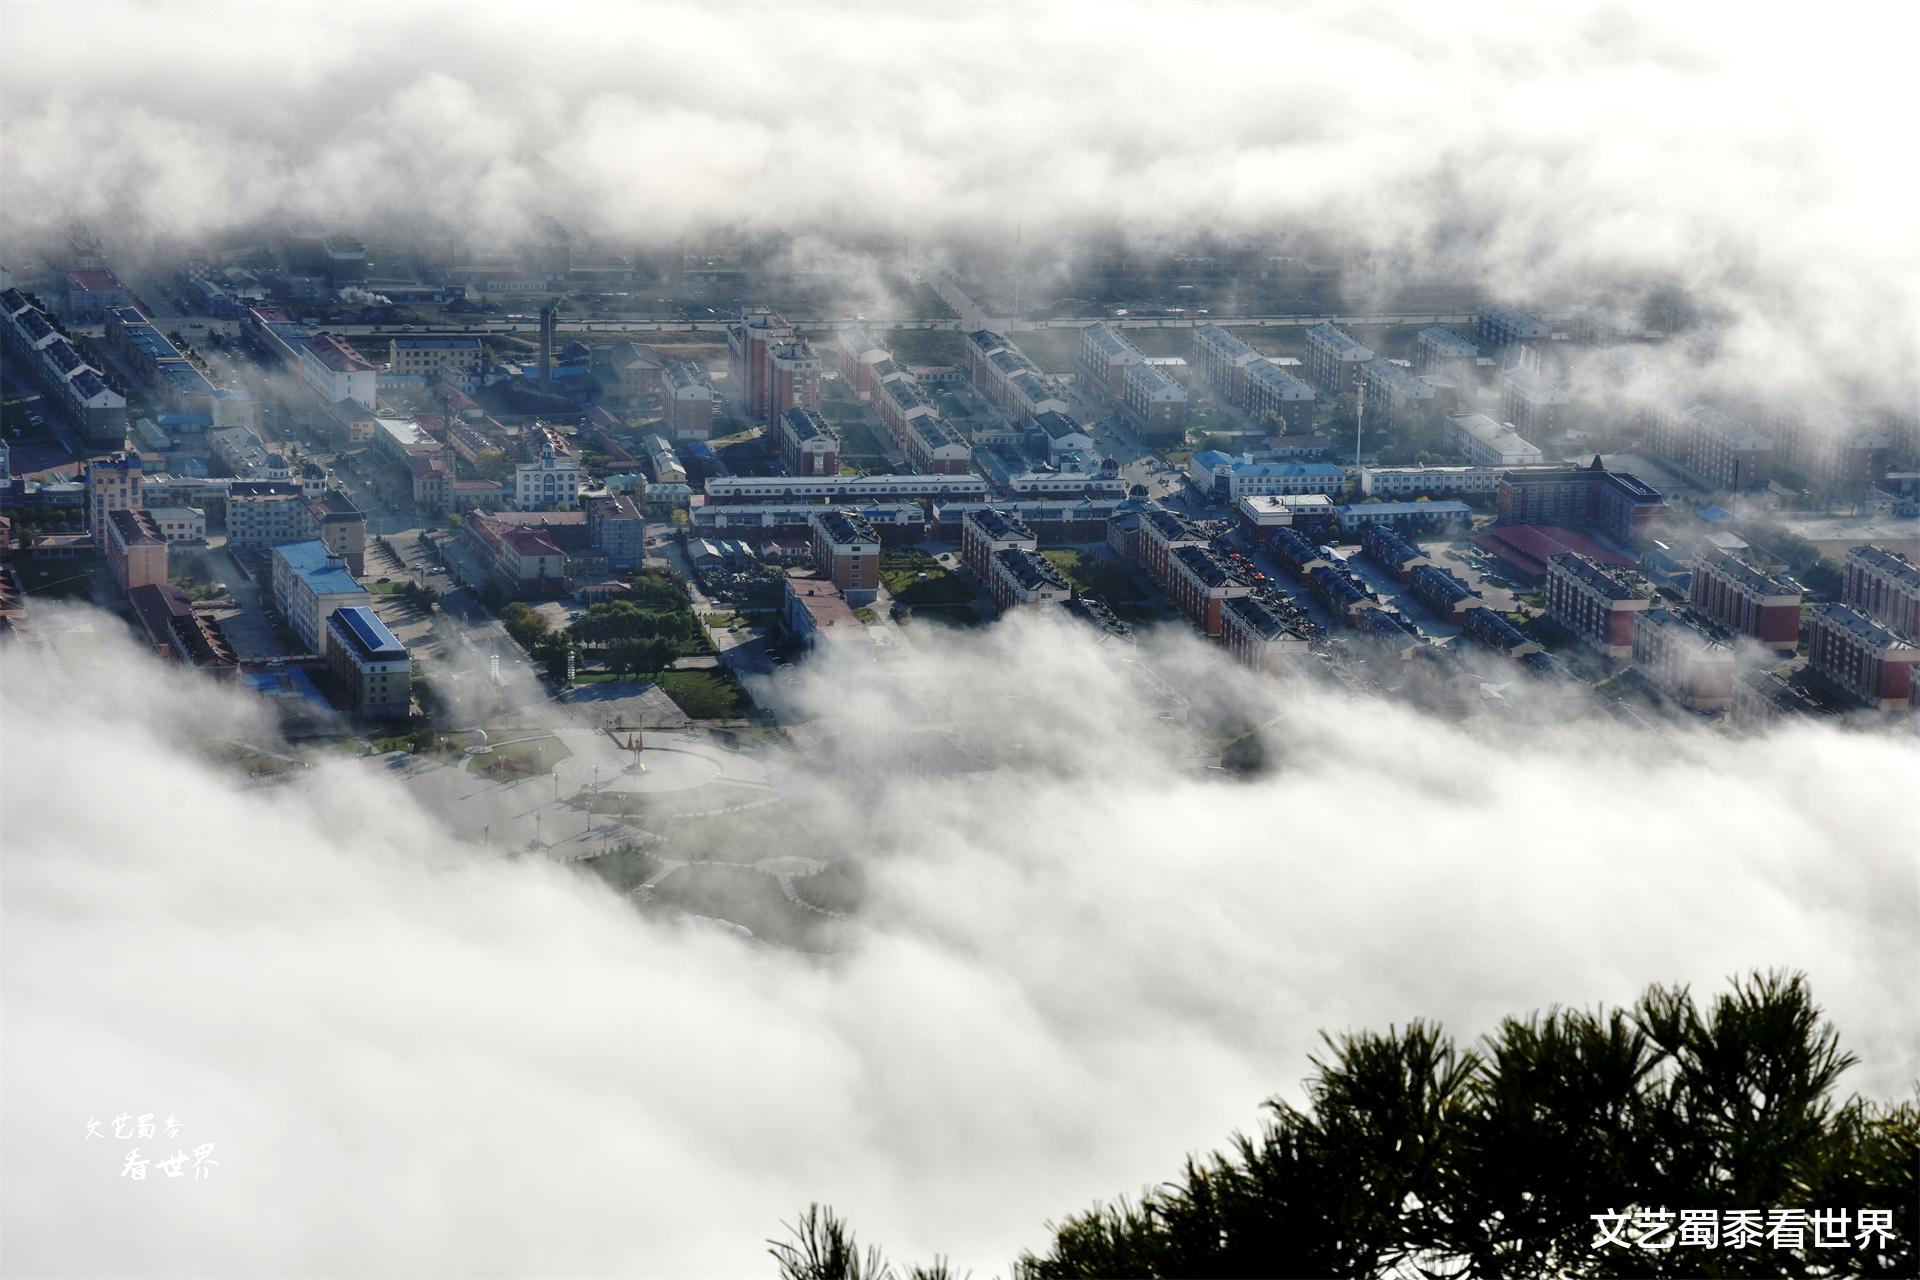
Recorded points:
(336, 370)
(1526, 548)
(91, 294)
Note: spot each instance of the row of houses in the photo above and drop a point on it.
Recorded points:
(77, 390)
(1111, 369)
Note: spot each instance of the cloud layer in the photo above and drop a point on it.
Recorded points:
(417, 1059)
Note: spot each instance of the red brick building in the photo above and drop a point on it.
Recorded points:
(1161, 534)
(1729, 591)
(809, 446)
(1598, 606)
(846, 551)
(136, 551)
(1886, 586)
(1200, 583)
(1862, 657)
(1019, 576)
(985, 531)
(793, 378)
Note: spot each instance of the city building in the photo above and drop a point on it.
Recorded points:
(179, 524)
(1271, 393)
(1597, 604)
(689, 399)
(1492, 629)
(985, 530)
(1398, 399)
(113, 484)
(793, 378)
(334, 369)
(1440, 350)
(370, 670)
(77, 390)
(617, 529)
(1741, 598)
(1442, 591)
(846, 551)
(91, 294)
(264, 513)
(1019, 576)
(1153, 402)
(1530, 402)
(1761, 699)
(1334, 359)
(1064, 436)
(1199, 583)
(1445, 514)
(750, 344)
(663, 461)
(858, 351)
(309, 583)
(450, 359)
(1495, 329)
(179, 633)
(1410, 482)
(1861, 657)
(1229, 479)
(552, 481)
(1264, 630)
(135, 552)
(1105, 358)
(816, 612)
(1680, 659)
(895, 522)
(1613, 503)
(809, 446)
(784, 489)
(1718, 451)
(525, 560)
(1162, 533)
(1224, 361)
(1885, 585)
(1392, 550)
(1486, 443)
(1261, 512)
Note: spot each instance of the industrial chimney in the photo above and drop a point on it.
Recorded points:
(546, 341)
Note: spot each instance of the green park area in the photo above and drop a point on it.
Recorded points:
(1093, 576)
(915, 578)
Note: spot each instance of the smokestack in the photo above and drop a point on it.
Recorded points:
(546, 341)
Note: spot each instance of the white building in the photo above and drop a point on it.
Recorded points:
(180, 524)
(1392, 482)
(1229, 478)
(1487, 443)
(309, 583)
(337, 371)
(553, 482)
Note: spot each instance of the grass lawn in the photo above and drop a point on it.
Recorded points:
(900, 569)
(1095, 577)
(948, 615)
(925, 346)
(705, 695)
(859, 441)
(521, 759)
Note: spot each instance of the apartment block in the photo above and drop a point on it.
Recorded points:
(809, 446)
(985, 531)
(1018, 576)
(1334, 359)
(1200, 582)
(1680, 659)
(846, 551)
(1593, 603)
(1867, 660)
(1884, 585)
(1746, 601)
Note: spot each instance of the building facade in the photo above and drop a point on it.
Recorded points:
(309, 583)
(1862, 657)
(371, 671)
(1597, 605)
(1734, 594)
(1681, 660)
(1884, 585)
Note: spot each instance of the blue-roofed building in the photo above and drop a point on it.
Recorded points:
(1231, 478)
(309, 583)
(371, 671)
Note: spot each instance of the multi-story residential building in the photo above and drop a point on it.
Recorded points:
(1440, 350)
(264, 513)
(1486, 443)
(371, 671)
(135, 552)
(629, 376)
(113, 484)
(1018, 576)
(1199, 582)
(809, 446)
(1334, 359)
(749, 364)
(1530, 402)
(1063, 434)
(617, 529)
(1862, 657)
(1393, 551)
(309, 583)
(1341, 591)
(1444, 514)
(985, 530)
(1271, 393)
(895, 522)
(1397, 398)
(526, 560)
(817, 613)
(449, 359)
(1885, 585)
(1442, 591)
(1153, 402)
(1733, 593)
(1682, 660)
(1614, 503)
(1224, 361)
(663, 461)
(181, 634)
(1162, 533)
(1492, 629)
(858, 351)
(934, 447)
(1408, 482)
(1496, 329)
(1594, 603)
(334, 369)
(783, 489)
(553, 481)
(981, 347)
(898, 400)
(1719, 451)
(793, 378)
(1297, 553)
(1264, 630)
(76, 390)
(689, 399)
(846, 551)
(179, 524)
(1761, 698)
(91, 294)
(1105, 358)
(1228, 478)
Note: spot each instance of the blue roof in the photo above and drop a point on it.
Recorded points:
(231, 393)
(309, 561)
(1715, 515)
(368, 634)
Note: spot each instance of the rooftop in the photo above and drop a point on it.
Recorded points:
(997, 525)
(1612, 586)
(333, 351)
(807, 424)
(845, 528)
(1861, 626)
(1346, 346)
(1030, 569)
(323, 572)
(361, 627)
(1107, 341)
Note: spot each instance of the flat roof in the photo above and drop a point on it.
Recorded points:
(363, 628)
